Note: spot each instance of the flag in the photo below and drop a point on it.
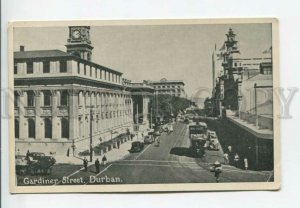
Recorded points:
(268, 50)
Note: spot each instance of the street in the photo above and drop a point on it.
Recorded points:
(167, 163)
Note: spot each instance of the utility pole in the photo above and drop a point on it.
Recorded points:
(150, 118)
(91, 131)
(137, 121)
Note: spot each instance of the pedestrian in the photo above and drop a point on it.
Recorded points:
(97, 165)
(85, 164)
(236, 159)
(226, 158)
(229, 149)
(246, 163)
(118, 144)
(104, 160)
(68, 152)
(217, 169)
(27, 155)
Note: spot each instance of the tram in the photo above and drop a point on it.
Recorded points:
(198, 136)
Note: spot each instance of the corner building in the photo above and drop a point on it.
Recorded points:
(63, 99)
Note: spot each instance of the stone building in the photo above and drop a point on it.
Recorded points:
(169, 87)
(64, 100)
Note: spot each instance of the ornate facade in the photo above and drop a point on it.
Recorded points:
(62, 99)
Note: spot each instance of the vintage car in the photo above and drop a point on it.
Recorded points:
(170, 127)
(186, 121)
(136, 146)
(41, 166)
(213, 142)
(35, 155)
(148, 139)
(38, 163)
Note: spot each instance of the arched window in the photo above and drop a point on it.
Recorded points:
(48, 128)
(47, 98)
(16, 128)
(30, 98)
(64, 98)
(64, 128)
(31, 128)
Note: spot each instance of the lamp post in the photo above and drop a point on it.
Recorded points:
(91, 129)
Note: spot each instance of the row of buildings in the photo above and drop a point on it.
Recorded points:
(243, 94)
(242, 85)
(64, 100)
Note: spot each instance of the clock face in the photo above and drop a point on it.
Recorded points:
(76, 34)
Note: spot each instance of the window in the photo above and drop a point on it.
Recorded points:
(64, 98)
(31, 128)
(16, 99)
(30, 98)
(91, 69)
(96, 70)
(63, 66)
(48, 128)
(78, 67)
(47, 98)
(15, 68)
(46, 67)
(29, 67)
(64, 128)
(84, 69)
(16, 128)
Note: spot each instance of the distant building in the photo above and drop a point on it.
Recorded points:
(229, 80)
(169, 87)
(243, 85)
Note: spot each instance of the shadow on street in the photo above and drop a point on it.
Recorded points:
(183, 151)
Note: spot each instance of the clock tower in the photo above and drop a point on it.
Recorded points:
(79, 43)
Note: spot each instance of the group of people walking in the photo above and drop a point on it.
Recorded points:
(231, 158)
(97, 163)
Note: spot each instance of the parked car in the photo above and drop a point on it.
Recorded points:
(136, 146)
(186, 121)
(41, 166)
(148, 139)
(157, 133)
(35, 155)
(39, 163)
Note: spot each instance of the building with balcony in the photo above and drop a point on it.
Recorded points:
(169, 87)
(64, 101)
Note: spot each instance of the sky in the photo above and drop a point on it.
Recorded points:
(153, 52)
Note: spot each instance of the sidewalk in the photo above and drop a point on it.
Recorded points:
(260, 133)
(112, 155)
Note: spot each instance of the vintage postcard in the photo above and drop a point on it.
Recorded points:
(144, 105)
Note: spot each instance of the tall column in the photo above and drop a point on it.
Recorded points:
(87, 116)
(39, 123)
(73, 114)
(23, 125)
(56, 125)
(83, 122)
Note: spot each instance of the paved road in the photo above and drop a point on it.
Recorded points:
(167, 163)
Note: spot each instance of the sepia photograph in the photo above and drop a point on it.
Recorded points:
(144, 106)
